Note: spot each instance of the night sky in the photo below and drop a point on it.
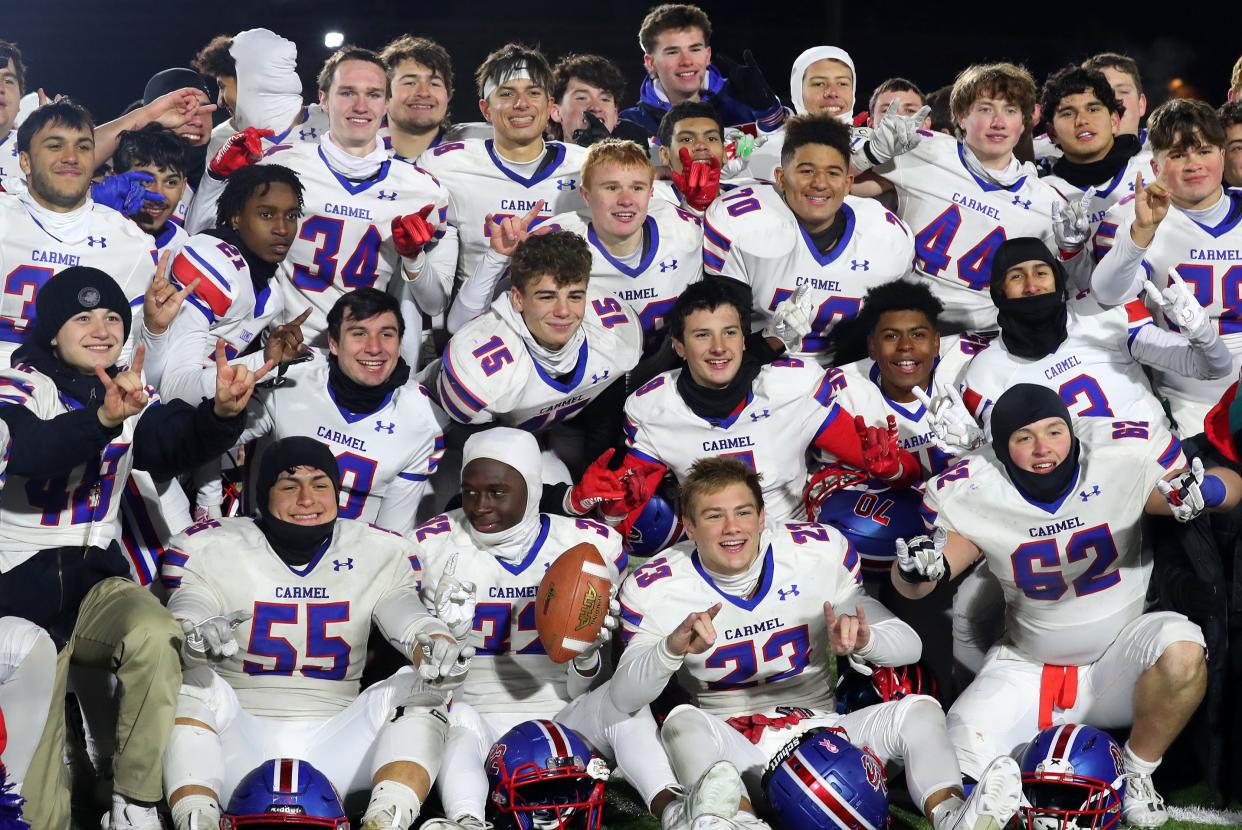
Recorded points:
(102, 53)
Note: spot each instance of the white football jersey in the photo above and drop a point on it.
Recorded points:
(1073, 572)
(9, 167)
(481, 184)
(510, 670)
(773, 648)
(1092, 370)
(302, 652)
(856, 387)
(789, 406)
(171, 239)
(960, 219)
(487, 374)
(314, 124)
(671, 257)
(78, 510)
(385, 457)
(752, 236)
(1107, 193)
(1209, 260)
(29, 256)
(344, 240)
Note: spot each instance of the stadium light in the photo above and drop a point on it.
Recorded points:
(333, 39)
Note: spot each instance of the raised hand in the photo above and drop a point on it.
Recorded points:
(412, 232)
(894, 135)
(174, 109)
(588, 660)
(124, 395)
(1181, 307)
(1151, 205)
(234, 384)
(162, 300)
(1071, 222)
(880, 450)
(454, 601)
(511, 230)
(127, 192)
(1183, 492)
(921, 559)
(849, 632)
(791, 320)
(595, 130)
(285, 343)
(747, 82)
(241, 150)
(696, 634)
(953, 427)
(698, 181)
(615, 492)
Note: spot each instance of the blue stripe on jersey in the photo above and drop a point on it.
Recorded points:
(929, 515)
(201, 306)
(712, 261)
(1170, 455)
(175, 557)
(644, 456)
(716, 237)
(545, 170)
(824, 393)
(575, 379)
(986, 186)
(652, 245)
(631, 431)
(412, 476)
(463, 393)
(842, 243)
(544, 526)
(765, 582)
(629, 619)
(193, 254)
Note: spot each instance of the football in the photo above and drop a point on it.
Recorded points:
(572, 602)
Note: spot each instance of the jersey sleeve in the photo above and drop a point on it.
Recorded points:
(218, 266)
(646, 665)
(475, 368)
(401, 498)
(936, 495)
(185, 571)
(722, 243)
(638, 438)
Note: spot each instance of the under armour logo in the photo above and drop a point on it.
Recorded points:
(102, 241)
(1084, 495)
(668, 265)
(792, 592)
(384, 194)
(755, 416)
(1018, 200)
(391, 427)
(347, 565)
(855, 265)
(597, 378)
(566, 184)
(308, 133)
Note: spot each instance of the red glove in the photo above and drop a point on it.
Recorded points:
(615, 492)
(410, 233)
(881, 453)
(698, 181)
(241, 150)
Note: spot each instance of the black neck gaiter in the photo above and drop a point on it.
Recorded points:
(360, 398)
(1096, 173)
(1033, 327)
(717, 404)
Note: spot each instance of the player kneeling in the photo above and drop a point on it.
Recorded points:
(778, 603)
(277, 612)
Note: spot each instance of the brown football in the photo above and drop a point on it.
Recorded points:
(572, 602)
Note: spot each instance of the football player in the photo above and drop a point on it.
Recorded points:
(81, 425)
(1092, 357)
(27, 677)
(804, 250)
(732, 618)
(499, 545)
(546, 350)
(963, 197)
(584, 84)
(909, 98)
(1098, 162)
(1056, 508)
(276, 613)
(1231, 119)
(692, 148)
(12, 87)
(1182, 221)
(1122, 73)
(492, 179)
(162, 155)
(722, 402)
(54, 224)
(420, 87)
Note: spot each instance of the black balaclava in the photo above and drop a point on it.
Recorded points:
(1096, 173)
(64, 296)
(295, 544)
(1023, 404)
(1031, 327)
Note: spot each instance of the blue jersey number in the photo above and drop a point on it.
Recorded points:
(1037, 565)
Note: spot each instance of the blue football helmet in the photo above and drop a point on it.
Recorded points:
(1073, 778)
(869, 513)
(820, 781)
(856, 690)
(285, 792)
(656, 526)
(544, 776)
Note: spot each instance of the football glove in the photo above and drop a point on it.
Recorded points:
(894, 135)
(953, 427)
(444, 662)
(213, 637)
(1182, 309)
(1184, 492)
(454, 601)
(241, 150)
(127, 192)
(593, 131)
(747, 83)
(698, 181)
(921, 559)
(1071, 222)
(589, 659)
(880, 451)
(412, 232)
(791, 320)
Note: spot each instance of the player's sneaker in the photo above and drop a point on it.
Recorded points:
(462, 823)
(126, 816)
(741, 820)
(993, 801)
(717, 794)
(1142, 805)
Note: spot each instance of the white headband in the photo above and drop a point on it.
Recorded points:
(518, 73)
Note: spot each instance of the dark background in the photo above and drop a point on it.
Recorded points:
(103, 52)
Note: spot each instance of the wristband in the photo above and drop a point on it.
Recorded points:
(1213, 491)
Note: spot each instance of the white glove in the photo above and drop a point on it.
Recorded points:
(744, 144)
(455, 601)
(953, 427)
(589, 658)
(921, 559)
(894, 135)
(1071, 222)
(791, 320)
(1183, 494)
(444, 662)
(1182, 309)
(213, 637)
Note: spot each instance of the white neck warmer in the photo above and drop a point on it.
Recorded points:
(1004, 178)
(519, 450)
(560, 362)
(1214, 215)
(269, 93)
(804, 61)
(742, 585)
(350, 166)
(71, 227)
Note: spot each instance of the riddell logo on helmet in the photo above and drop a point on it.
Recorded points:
(592, 604)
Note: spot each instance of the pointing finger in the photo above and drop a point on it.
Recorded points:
(799, 294)
(1175, 278)
(921, 397)
(263, 370)
(301, 318)
(1152, 292)
(1085, 202)
(221, 361)
(921, 115)
(714, 610)
(140, 355)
